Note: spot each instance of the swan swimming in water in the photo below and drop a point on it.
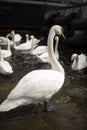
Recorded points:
(39, 49)
(38, 85)
(17, 38)
(79, 61)
(44, 58)
(23, 46)
(5, 67)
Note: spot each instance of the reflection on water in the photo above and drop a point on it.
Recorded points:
(70, 102)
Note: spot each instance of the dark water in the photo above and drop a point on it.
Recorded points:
(70, 102)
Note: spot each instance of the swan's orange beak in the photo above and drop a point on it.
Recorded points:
(63, 35)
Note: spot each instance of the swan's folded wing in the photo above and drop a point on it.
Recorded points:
(37, 85)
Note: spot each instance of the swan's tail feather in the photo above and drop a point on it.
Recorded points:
(7, 105)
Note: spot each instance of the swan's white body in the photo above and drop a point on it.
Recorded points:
(79, 61)
(5, 67)
(44, 58)
(39, 50)
(6, 53)
(38, 85)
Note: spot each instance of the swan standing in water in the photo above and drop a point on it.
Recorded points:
(5, 67)
(38, 85)
(79, 61)
(44, 58)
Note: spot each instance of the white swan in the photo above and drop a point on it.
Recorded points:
(44, 58)
(38, 85)
(38, 50)
(6, 53)
(23, 46)
(17, 38)
(79, 61)
(5, 67)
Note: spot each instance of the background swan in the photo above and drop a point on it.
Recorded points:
(17, 38)
(5, 67)
(38, 85)
(44, 58)
(38, 50)
(79, 61)
(6, 53)
(23, 46)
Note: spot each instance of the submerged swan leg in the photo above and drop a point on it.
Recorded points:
(49, 107)
(45, 106)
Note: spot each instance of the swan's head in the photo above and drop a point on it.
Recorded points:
(9, 71)
(31, 36)
(74, 56)
(11, 34)
(27, 36)
(58, 30)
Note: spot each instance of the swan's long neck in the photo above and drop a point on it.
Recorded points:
(27, 37)
(55, 64)
(56, 49)
(8, 46)
(14, 43)
(32, 48)
(75, 63)
(1, 57)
